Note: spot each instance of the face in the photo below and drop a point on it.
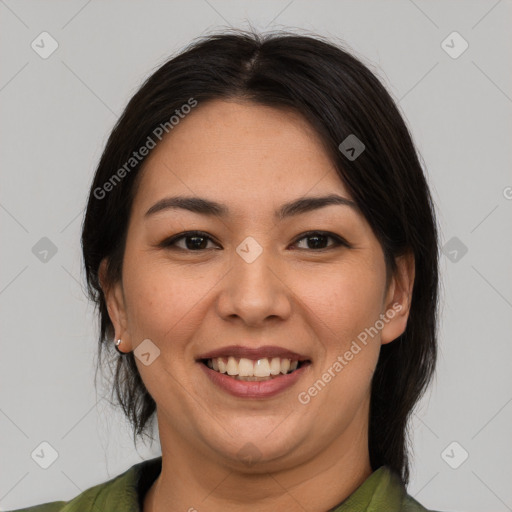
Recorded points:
(308, 285)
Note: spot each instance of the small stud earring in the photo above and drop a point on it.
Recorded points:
(118, 342)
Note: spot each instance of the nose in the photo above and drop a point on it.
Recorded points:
(255, 291)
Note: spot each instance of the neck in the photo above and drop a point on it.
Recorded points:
(192, 482)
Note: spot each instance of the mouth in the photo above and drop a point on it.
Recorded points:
(249, 370)
(253, 372)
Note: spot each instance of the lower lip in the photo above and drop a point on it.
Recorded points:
(248, 389)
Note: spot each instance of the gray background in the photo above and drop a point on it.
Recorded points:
(56, 115)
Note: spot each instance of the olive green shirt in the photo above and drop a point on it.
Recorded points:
(382, 491)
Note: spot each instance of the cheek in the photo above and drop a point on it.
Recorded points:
(342, 304)
(161, 300)
(344, 301)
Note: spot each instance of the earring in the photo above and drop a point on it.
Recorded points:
(118, 342)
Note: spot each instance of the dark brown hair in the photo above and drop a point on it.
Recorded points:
(339, 96)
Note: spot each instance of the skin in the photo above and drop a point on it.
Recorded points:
(187, 302)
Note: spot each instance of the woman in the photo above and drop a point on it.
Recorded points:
(261, 243)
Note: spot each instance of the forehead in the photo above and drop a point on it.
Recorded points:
(239, 152)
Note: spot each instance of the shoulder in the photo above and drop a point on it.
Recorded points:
(119, 493)
(54, 506)
(382, 491)
(391, 494)
(85, 501)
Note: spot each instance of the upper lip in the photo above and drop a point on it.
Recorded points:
(254, 353)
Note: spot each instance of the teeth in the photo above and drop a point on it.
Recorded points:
(275, 366)
(247, 369)
(232, 366)
(221, 364)
(261, 368)
(252, 379)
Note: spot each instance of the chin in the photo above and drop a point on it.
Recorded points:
(258, 444)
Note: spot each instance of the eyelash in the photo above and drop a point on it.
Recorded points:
(169, 243)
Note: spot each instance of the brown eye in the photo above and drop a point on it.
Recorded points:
(193, 241)
(317, 240)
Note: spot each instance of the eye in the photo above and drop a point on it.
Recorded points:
(319, 238)
(194, 241)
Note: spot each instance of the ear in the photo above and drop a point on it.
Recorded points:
(397, 302)
(114, 298)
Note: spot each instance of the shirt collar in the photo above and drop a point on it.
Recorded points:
(382, 491)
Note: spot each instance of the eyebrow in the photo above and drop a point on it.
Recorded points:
(211, 208)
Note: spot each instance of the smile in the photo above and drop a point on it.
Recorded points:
(254, 387)
(253, 370)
